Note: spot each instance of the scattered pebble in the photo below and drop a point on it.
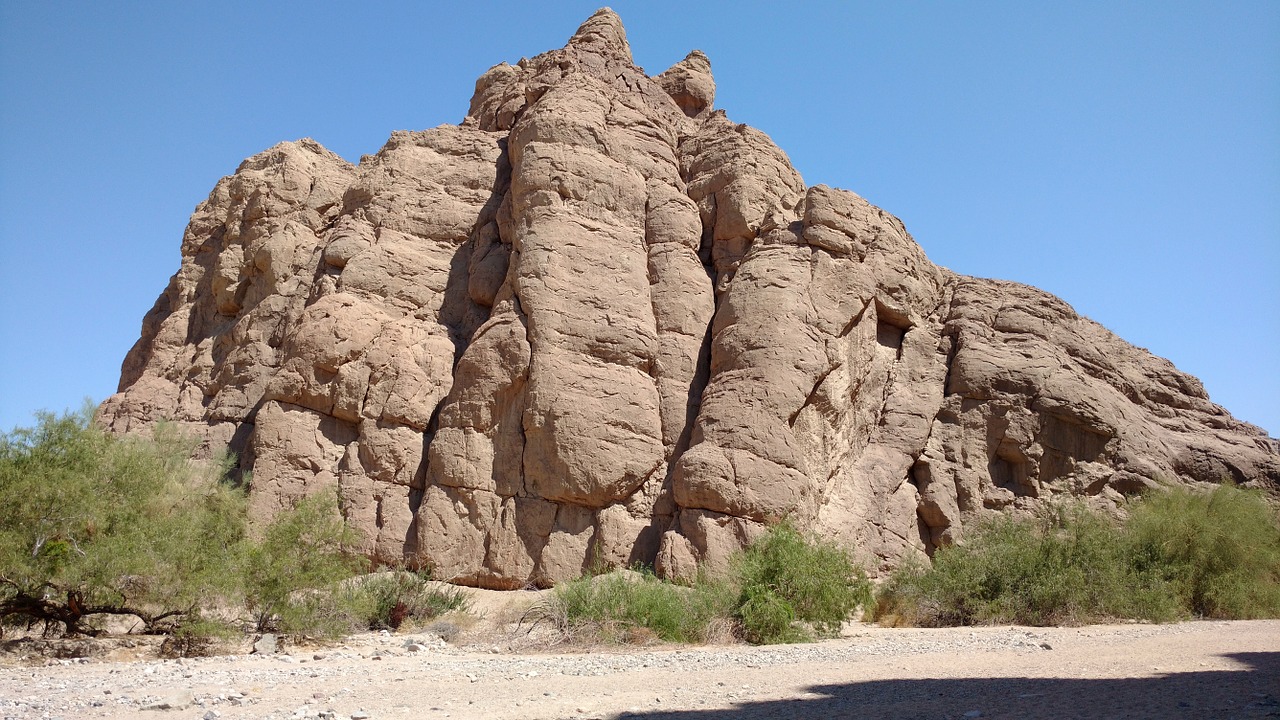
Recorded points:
(260, 687)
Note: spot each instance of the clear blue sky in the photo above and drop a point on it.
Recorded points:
(1124, 156)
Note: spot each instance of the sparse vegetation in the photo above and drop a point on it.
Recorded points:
(97, 526)
(1217, 554)
(1065, 566)
(783, 588)
(289, 575)
(634, 606)
(401, 598)
(1181, 553)
(793, 587)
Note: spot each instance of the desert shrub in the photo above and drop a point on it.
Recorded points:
(1218, 552)
(634, 606)
(389, 600)
(1068, 565)
(291, 574)
(96, 524)
(784, 587)
(197, 635)
(451, 627)
(792, 587)
(1181, 552)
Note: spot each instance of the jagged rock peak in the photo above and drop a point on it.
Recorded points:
(599, 322)
(301, 153)
(597, 53)
(690, 84)
(696, 60)
(604, 29)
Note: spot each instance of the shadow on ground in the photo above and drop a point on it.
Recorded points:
(1218, 695)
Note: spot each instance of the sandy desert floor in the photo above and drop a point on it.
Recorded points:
(1186, 670)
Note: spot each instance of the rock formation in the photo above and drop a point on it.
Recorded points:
(599, 322)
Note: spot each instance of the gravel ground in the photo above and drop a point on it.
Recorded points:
(1186, 670)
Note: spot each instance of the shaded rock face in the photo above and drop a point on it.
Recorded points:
(598, 323)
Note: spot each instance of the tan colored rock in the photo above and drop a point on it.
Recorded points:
(599, 323)
(690, 84)
(211, 343)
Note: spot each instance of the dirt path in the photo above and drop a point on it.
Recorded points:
(1189, 670)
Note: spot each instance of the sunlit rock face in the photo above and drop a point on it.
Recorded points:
(599, 323)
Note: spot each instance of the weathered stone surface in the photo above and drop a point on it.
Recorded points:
(599, 323)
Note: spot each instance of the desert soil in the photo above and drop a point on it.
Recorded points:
(1186, 670)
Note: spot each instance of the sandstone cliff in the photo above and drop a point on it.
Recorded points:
(599, 322)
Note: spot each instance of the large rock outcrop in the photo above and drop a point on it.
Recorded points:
(599, 322)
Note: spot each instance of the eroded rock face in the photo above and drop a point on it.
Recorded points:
(598, 323)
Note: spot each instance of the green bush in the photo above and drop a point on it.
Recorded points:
(197, 635)
(388, 600)
(783, 588)
(1066, 566)
(1180, 553)
(291, 575)
(792, 587)
(634, 606)
(97, 525)
(1218, 552)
